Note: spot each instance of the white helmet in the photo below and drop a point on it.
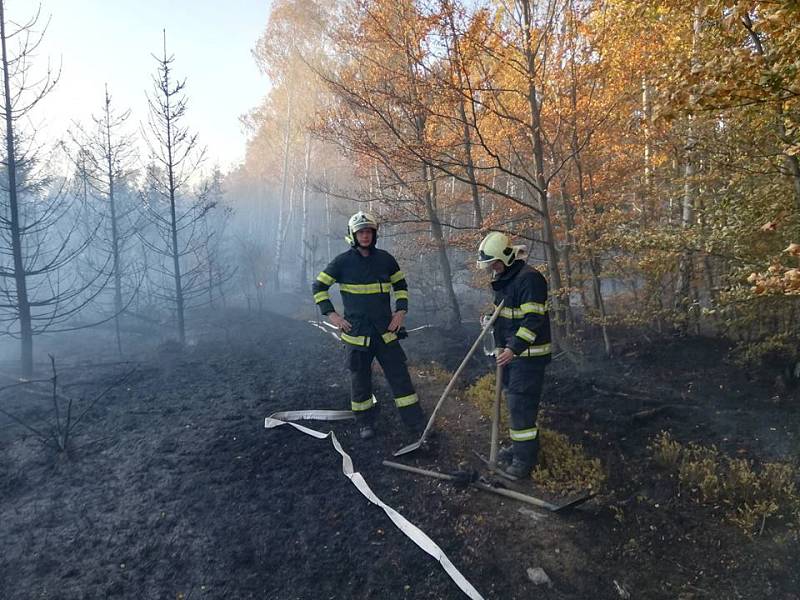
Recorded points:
(361, 220)
(494, 247)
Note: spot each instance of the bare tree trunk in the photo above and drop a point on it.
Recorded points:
(647, 199)
(176, 257)
(682, 288)
(22, 304)
(176, 262)
(473, 183)
(441, 248)
(304, 218)
(174, 146)
(593, 267)
(535, 133)
(209, 263)
(593, 260)
(430, 201)
(569, 223)
(114, 225)
(328, 224)
(465, 129)
(284, 182)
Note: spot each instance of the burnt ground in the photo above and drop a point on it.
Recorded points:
(174, 489)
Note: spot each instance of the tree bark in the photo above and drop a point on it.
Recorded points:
(23, 303)
(176, 262)
(441, 248)
(647, 200)
(540, 191)
(279, 237)
(465, 130)
(304, 218)
(682, 288)
(114, 226)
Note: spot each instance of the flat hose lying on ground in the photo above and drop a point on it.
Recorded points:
(414, 533)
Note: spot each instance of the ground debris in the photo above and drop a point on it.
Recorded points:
(539, 577)
(218, 498)
(622, 590)
(533, 515)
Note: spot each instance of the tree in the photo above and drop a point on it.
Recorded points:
(37, 225)
(291, 39)
(175, 156)
(105, 159)
(381, 117)
(219, 265)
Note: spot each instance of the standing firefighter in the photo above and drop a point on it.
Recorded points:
(522, 334)
(369, 328)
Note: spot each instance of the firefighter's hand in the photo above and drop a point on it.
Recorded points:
(397, 320)
(339, 321)
(505, 356)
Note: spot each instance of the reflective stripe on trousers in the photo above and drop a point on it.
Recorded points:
(393, 362)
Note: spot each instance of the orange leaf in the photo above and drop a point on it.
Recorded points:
(793, 249)
(769, 226)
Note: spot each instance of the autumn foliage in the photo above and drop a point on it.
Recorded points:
(646, 151)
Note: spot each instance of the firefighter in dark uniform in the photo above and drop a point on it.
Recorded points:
(366, 275)
(522, 335)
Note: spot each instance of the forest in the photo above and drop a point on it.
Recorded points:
(646, 152)
(156, 308)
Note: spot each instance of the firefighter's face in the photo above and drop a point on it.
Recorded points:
(364, 237)
(497, 266)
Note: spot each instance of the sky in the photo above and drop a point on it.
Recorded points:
(100, 42)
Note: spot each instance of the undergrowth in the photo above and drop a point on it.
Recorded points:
(751, 495)
(432, 372)
(562, 466)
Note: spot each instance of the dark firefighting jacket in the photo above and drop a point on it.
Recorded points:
(524, 323)
(365, 283)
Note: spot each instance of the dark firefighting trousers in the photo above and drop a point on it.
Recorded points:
(393, 362)
(522, 382)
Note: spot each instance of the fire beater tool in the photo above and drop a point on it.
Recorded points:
(418, 444)
(471, 479)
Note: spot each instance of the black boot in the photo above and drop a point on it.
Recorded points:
(413, 420)
(518, 469)
(505, 455)
(524, 456)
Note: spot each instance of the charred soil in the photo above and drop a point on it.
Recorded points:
(174, 489)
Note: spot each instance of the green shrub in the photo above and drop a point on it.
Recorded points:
(751, 496)
(481, 394)
(563, 467)
(665, 450)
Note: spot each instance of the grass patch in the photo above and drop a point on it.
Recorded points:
(563, 466)
(750, 495)
(481, 394)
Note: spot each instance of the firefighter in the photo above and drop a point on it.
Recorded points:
(522, 335)
(369, 328)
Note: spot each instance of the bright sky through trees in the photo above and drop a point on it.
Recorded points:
(103, 41)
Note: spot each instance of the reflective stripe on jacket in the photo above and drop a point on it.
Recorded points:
(365, 283)
(524, 322)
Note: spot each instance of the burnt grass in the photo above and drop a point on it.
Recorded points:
(174, 489)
